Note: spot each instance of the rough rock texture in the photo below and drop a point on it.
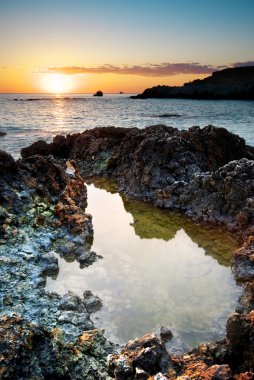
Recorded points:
(231, 83)
(147, 358)
(147, 354)
(243, 261)
(30, 352)
(44, 335)
(207, 173)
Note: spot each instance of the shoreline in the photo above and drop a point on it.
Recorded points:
(211, 160)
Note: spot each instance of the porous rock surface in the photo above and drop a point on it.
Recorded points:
(206, 173)
(45, 335)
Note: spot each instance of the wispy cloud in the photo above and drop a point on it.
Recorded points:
(149, 70)
(3, 67)
(241, 64)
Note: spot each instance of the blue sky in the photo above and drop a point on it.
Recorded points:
(81, 33)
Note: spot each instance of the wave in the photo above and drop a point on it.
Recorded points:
(167, 115)
(66, 98)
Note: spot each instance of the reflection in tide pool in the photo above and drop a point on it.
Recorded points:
(159, 269)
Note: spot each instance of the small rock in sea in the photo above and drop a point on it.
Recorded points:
(165, 333)
(2, 134)
(98, 93)
(169, 115)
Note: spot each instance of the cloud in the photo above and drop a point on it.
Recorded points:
(242, 64)
(149, 70)
(3, 67)
(164, 69)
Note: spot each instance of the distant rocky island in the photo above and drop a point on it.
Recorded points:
(232, 83)
(98, 93)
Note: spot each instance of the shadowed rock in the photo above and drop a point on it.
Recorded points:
(231, 83)
(207, 173)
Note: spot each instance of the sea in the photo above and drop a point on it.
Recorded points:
(149, 255)
(26, 118)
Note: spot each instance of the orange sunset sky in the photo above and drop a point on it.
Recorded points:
(84, 46)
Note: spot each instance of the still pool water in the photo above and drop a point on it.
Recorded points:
(158, 269)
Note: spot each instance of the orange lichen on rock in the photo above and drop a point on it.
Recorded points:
(69, 209)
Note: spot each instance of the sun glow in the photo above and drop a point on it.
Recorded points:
(57, 83)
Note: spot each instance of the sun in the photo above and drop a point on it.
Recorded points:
(57, 83)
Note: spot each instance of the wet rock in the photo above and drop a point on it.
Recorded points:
(2, 134)
(87, 258)
(238, 327)
(92, 302)
(148, 353)
(165, 333)
(243, 261)
(71, 301)
(8, 165)
(76, 319)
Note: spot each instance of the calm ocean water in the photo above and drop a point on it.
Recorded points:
(27, 118)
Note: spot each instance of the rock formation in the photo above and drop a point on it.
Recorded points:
(98, 93)
(231, 83)
(206, 173)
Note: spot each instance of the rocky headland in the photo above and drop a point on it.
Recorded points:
(230, 83)
(208, 174)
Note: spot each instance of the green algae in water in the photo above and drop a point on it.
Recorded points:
(159, 269)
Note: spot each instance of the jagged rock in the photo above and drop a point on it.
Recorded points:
(91, 301)
(30, 352)
(49, 263)
(243, 261)
(207, 173)
(8, 165)
(71, 301)
(148, 353)
(165, 333)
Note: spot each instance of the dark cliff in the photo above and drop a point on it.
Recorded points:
(232, 83)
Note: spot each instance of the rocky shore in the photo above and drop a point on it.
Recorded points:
(206, 173)
(231, 83)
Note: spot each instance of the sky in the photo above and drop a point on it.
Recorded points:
(119, 45)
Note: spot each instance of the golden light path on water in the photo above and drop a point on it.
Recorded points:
(158, 269)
